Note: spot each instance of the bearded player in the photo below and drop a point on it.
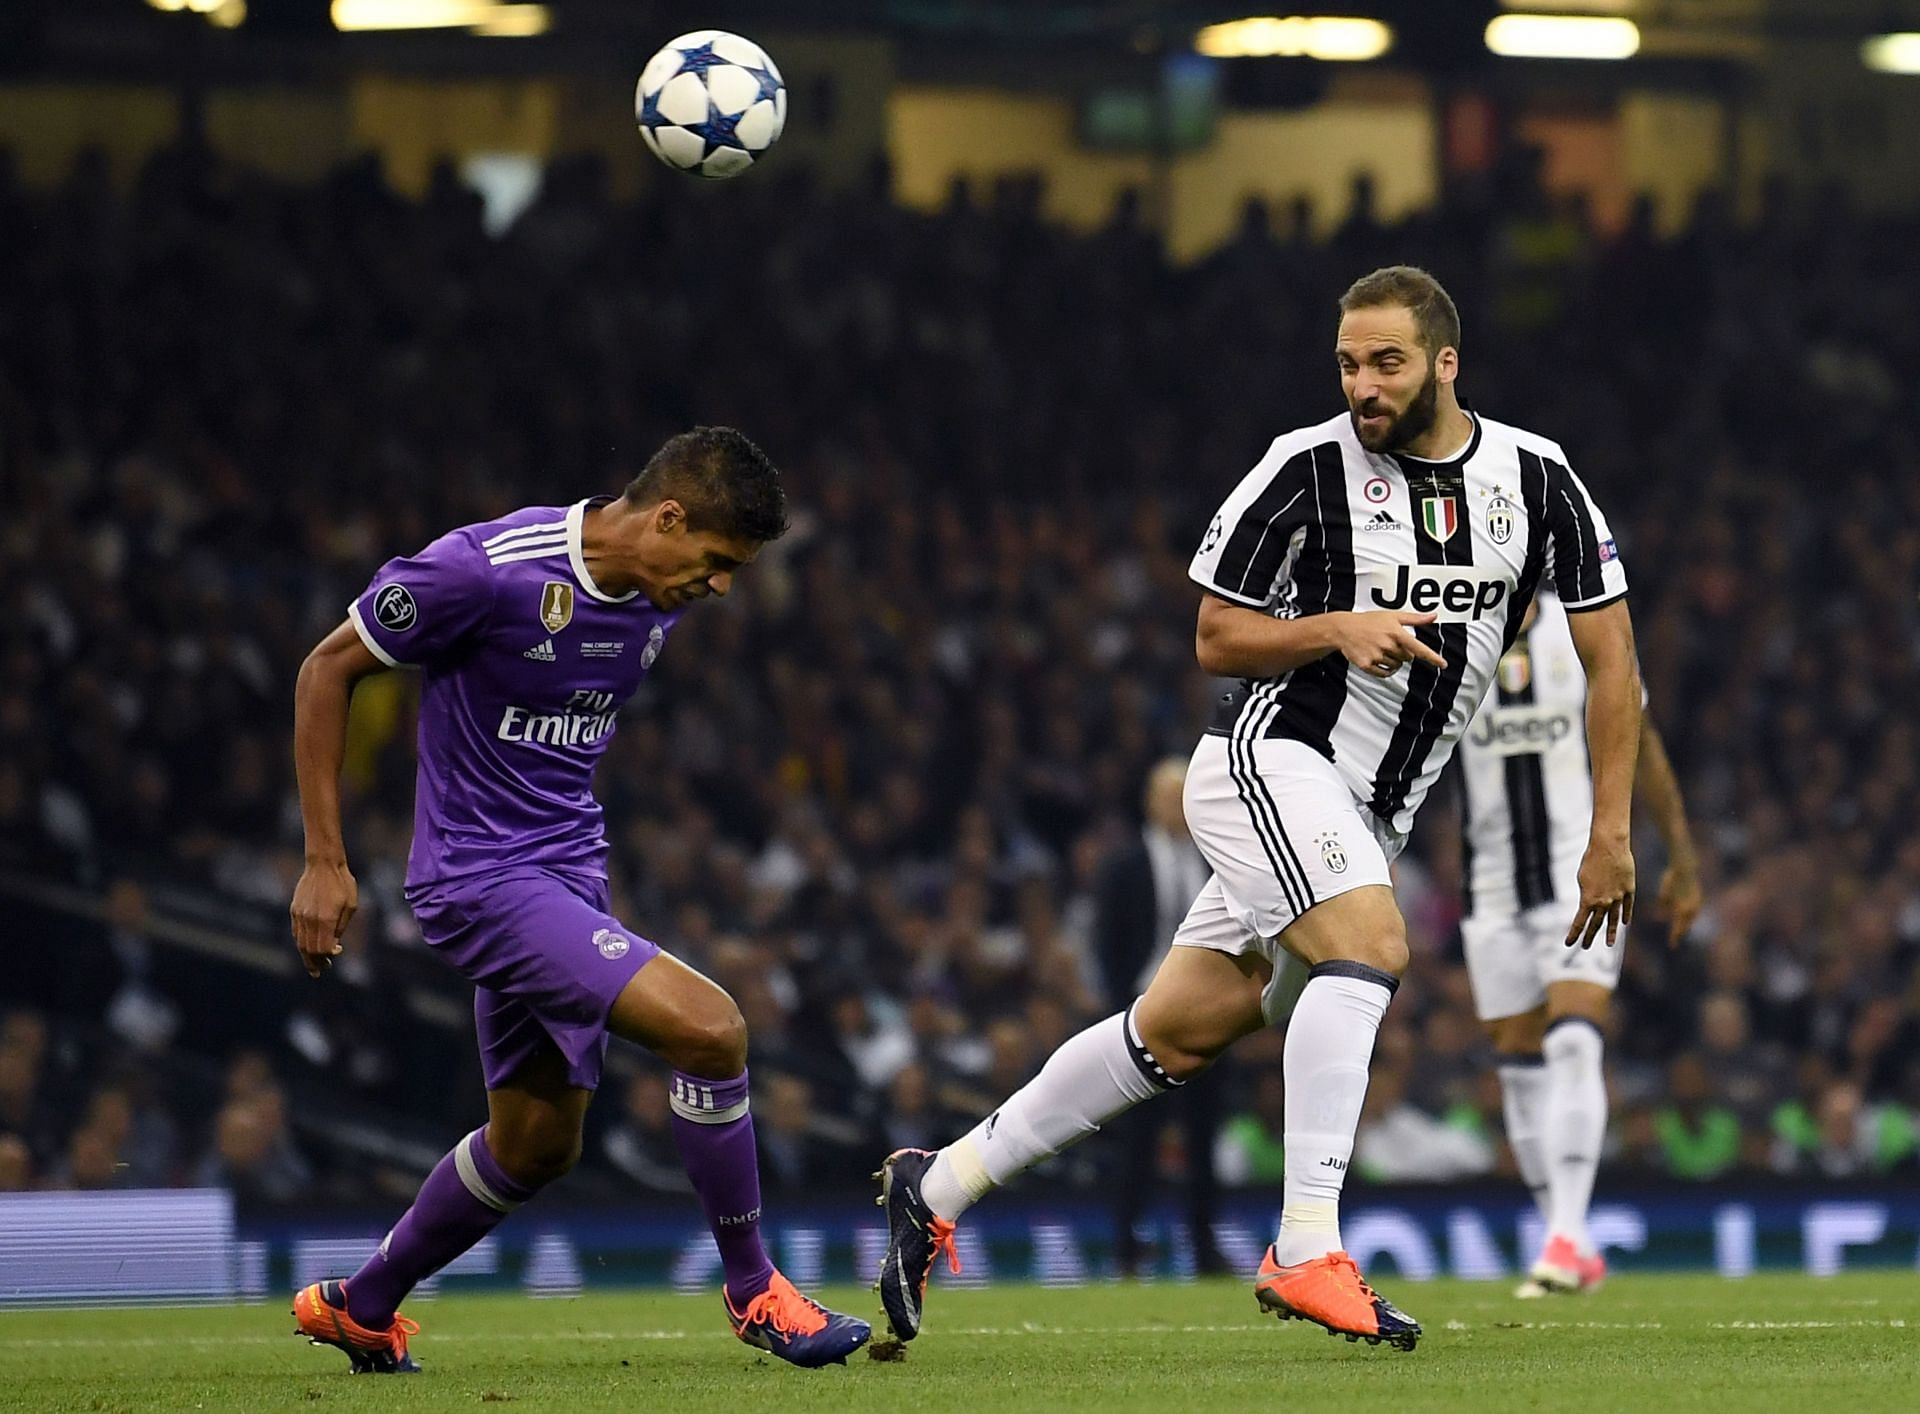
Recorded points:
(530, 633)
(1362, 581)
(1528, 796)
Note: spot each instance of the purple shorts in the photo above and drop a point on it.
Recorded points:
(545, 958)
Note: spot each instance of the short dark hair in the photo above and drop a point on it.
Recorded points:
(727, 484)
(1414, 290)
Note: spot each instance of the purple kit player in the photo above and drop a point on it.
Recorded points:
(531, 632)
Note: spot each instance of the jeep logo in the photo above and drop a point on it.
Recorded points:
(1458, 594)
(1521, 731)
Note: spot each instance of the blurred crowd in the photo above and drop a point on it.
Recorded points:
(875, 791)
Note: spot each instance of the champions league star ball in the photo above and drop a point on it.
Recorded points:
(710, 103)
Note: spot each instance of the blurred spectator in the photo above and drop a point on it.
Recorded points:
(783, 1124)
(24, 1109)
(16, 1164)
(1698, 1136)
(1844, 1137)
(1398, 1142)
(911, 1119)
(1252, 1144)
(252, 1152)
(639, 1144)
(1752, 1077)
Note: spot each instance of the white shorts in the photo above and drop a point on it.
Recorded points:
(1511, 958)
(1283, 832)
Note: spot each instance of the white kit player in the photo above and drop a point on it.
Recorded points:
(1528, 795)
(1362, 582)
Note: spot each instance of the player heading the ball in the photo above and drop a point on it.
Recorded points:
(530, 633)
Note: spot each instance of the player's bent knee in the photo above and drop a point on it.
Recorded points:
(1385, 949)
(713, 1043)
(1362, 925)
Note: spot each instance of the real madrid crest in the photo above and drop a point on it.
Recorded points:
(656, 640)
(1500, 520)
(556, 605)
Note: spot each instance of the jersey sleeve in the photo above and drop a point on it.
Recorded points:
(421, 609)
(1244, 555)
(1583, 563)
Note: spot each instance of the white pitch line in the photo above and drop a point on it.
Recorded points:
(219, 1342)
(1892, 1323)
(1025, 1329)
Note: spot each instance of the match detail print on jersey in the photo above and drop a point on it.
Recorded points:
(1321, 525)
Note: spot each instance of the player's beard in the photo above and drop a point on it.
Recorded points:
(1409, 427)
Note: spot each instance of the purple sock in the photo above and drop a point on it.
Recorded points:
(466, 1197)
(715, 1134)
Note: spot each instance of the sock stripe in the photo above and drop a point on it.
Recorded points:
(1142, 1058)
(472, 1179)
(1358, 971)
(1523, 1060)
(693, 1110)
(1559, 1021)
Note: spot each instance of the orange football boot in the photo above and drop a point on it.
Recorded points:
(321, 1313)
(794, 1327)
(1330, 1292)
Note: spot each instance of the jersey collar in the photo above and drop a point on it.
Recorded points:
(1410, 465)
(576, 519)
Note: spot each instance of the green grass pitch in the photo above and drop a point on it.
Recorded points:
(1663, 1343)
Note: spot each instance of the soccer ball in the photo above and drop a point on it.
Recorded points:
(710, 103)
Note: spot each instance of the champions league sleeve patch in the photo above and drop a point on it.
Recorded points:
(394, 609)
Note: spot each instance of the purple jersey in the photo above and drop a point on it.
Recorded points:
(527, 662)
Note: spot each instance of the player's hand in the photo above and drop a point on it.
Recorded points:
(324, 902)
(1380, 641)
(1679, 900)
(1606, 891)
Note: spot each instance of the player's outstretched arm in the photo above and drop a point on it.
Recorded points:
(1235, 642)
(1604, 640)
(1659, 790)
(326, 897)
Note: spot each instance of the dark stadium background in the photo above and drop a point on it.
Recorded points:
(258, 331)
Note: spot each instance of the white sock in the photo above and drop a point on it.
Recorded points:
(1329, 1046)
(1523, 1094)
(1100, 1073)
(1576, 1124)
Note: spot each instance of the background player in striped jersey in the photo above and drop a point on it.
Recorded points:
(1529, 799)
(531, 632)
(1362, 581)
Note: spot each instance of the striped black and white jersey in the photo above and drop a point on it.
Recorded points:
(1525, 778)
(1323, 525)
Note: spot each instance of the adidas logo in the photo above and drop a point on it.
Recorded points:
(542, 653)
(1382, 520)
